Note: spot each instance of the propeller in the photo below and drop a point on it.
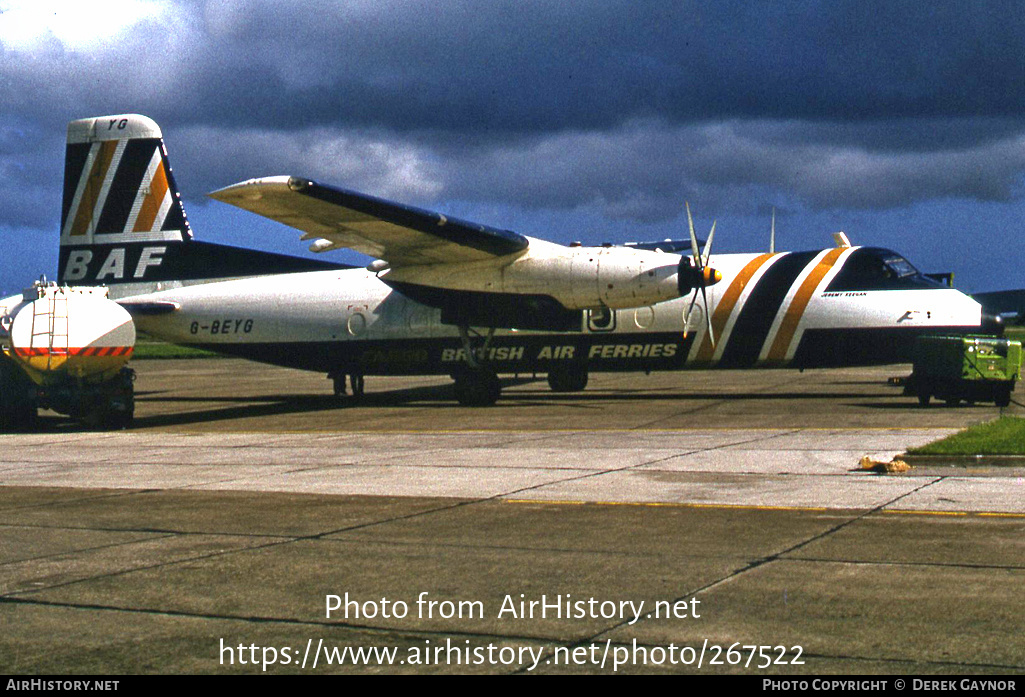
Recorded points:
(696, 274)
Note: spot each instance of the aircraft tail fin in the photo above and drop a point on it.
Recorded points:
(121, 205)
(118, 185)
(123, 223)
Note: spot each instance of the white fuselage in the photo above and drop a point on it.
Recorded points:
(769, 310)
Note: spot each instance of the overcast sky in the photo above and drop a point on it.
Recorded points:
(901, 123)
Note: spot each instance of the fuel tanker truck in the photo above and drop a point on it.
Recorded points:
(65, 349)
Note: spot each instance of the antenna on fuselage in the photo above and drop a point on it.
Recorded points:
(772, 233)
(840, 238)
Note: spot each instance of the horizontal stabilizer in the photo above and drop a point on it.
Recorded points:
(149, 309)
(1006, 304)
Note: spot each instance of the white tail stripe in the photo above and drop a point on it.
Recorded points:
(119, 238)
(90, 162)
(108, 180)
(97, 203)
(144, 190)
(165, 206)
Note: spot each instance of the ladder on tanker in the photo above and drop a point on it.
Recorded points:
(50, 328)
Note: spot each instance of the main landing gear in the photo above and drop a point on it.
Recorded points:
(355, 383)
(476, 383)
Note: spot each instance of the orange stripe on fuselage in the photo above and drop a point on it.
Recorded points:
(725, 306)
(151, 204)
(788, 327)
(93, 184)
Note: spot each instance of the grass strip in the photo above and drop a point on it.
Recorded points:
(1005, 436)
(145, 350)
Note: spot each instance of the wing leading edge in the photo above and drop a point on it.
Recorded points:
(401, 235)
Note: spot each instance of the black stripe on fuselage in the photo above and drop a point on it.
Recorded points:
(443, 356)
(837, 348)
(819, 348)
(756, 316)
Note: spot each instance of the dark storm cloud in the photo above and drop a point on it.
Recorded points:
(623, 106)
(30, 174)
(539, 66)
(512, 66)
(646, 170)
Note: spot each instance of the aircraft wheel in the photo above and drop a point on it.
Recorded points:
(477, 388)
(952, 401)
(923, 398)
(567, 378)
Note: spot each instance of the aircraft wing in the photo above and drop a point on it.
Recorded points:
(401, 235)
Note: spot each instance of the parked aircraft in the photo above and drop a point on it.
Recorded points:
(446, 296)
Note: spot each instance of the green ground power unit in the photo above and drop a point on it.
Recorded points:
(969, 368)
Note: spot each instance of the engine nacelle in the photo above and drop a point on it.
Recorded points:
(635, 277)
(57, 332)
(564, 279)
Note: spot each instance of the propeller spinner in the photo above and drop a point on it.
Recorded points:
(695, 273)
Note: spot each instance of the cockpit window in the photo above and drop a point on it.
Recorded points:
(899, 267)
(872, 268)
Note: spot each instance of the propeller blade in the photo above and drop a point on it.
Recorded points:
(693, 236)
(686, 315)
(708, 247)
(700, 264)
(708, 316)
